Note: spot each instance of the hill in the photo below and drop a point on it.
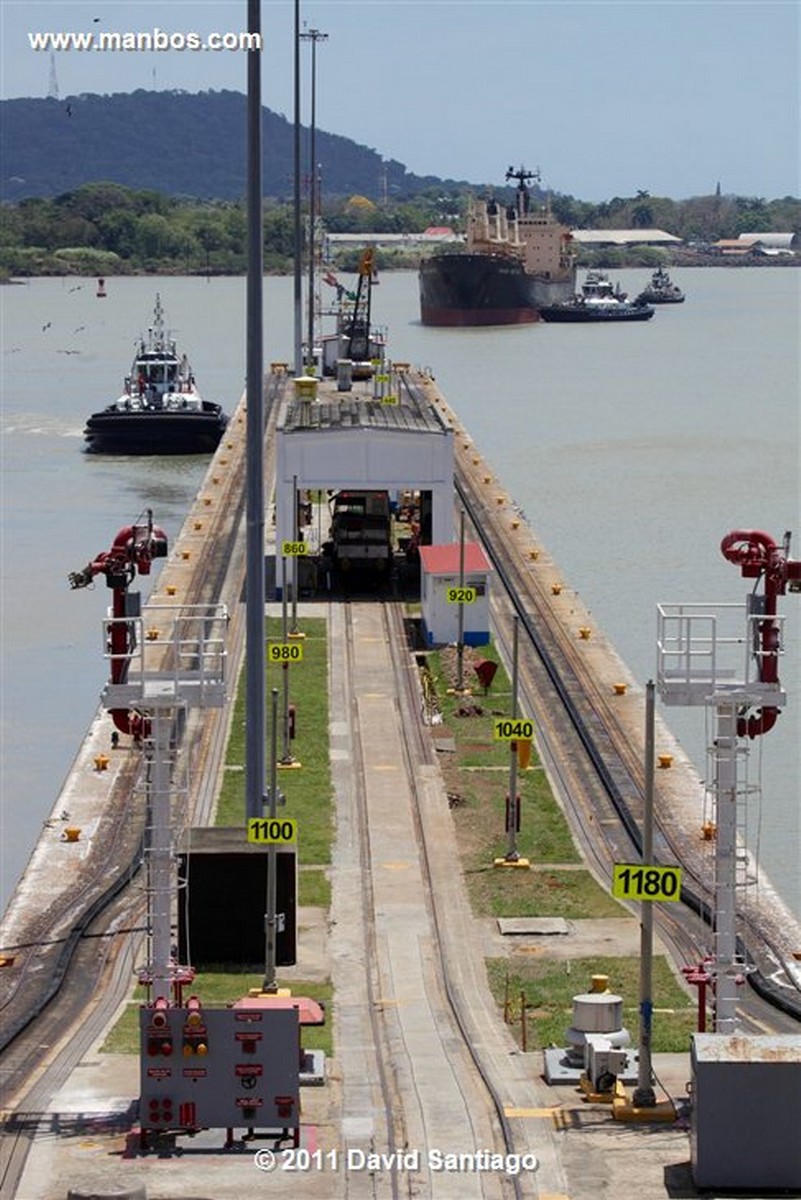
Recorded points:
(177, 143)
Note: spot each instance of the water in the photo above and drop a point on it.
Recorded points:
(631, 449)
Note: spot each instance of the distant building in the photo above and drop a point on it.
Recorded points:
(624, 237)
(436, 235)
(733, 248)
(771, 243)
(752, 245)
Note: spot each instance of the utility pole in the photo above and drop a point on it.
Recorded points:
(254, 600)
(297, 238)
(644, 1095)
(314, 36)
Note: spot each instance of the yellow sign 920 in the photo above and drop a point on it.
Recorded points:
(461, 595)
(633, 881)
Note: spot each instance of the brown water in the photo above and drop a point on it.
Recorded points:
(631, 449)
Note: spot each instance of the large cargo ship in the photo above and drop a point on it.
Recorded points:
(515, 261)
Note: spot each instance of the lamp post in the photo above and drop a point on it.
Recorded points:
(314, 36)
(254, 607)
(296, 289)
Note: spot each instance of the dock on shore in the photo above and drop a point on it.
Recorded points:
(69, 868)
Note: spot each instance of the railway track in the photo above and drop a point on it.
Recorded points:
(431, 1059)
(601, 769)
(68, 985)
(438, 1064)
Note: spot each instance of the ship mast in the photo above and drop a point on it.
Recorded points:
(523, 177)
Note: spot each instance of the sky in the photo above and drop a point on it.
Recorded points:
(672, 97)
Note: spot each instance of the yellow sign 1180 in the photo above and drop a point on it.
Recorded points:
(632, 881)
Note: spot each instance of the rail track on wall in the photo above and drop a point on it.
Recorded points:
(64, 988)
(437, 1083)
(601, 768)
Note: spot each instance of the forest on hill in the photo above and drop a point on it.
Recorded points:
(154, 182)
(178, 143)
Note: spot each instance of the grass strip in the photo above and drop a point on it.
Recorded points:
(549, 985)
(217, 989)
(308, 788)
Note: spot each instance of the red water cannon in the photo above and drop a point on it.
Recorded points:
(132, 551)
(760, 557)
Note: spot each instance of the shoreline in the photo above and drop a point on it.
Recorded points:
(678, 260)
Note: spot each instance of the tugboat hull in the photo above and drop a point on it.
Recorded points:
(158, 433)
(582, 313)
(161, 410)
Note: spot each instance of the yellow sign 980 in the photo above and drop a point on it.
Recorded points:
(285, 652)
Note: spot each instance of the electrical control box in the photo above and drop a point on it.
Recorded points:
(603, 1062)
(205, 1068)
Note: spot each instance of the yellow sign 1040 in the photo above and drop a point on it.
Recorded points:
(513, 729)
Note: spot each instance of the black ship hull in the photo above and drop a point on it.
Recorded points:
(582, 313)
(476, 289)
(116, 432)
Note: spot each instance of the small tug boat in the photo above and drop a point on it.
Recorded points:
(597, 301)
(661, 290)
(161, 410)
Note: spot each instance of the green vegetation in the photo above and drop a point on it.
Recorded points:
(477, 779)
(308, 790)
(217, 989)
(309, 801)
(550, 984)
(111, 229)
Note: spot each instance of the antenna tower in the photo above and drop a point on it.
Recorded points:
(52, 88)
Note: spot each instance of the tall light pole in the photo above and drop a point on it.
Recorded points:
(297, 301)
(254, 606)
(314, 36)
